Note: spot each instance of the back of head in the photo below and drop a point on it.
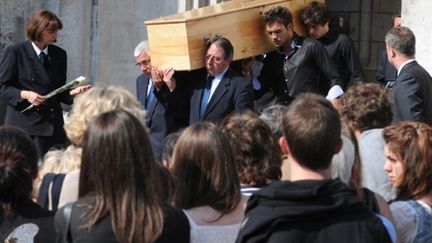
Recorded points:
(366, 106)
(168, 145)
(205, 170)
(312, 129)
(315, 14)
(40, 21)
(278, 14)
(71, 159)
(119, 169)
(402, 39)
(272, 116)
(255, 150)
(18, 165)
(96, 101)
(411, 144)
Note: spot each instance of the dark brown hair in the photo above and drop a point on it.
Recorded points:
(18, 167)
(256, 152)
(411, 143)
(366, 106)
(312, 128)
(278, 14)
(204, 169)
(42, 20)
(314, 14)
(119, 169)
(222, 43)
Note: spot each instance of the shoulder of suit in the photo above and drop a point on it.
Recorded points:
(55, 48)
(142, 77)
(17, 46)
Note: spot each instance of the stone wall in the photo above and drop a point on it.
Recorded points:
(370, 20)
(416, 16)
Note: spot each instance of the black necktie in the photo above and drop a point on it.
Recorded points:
(44, 58)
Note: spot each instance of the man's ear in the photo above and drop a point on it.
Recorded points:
(283, 144)
(289, 26)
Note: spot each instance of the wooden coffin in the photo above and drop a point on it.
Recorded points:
(178, 40)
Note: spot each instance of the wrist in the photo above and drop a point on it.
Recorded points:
(24, 94)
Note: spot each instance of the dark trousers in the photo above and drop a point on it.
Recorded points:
(45, 143)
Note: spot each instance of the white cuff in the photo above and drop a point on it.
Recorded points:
(334, 92)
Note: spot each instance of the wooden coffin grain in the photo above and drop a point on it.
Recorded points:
(178, 40)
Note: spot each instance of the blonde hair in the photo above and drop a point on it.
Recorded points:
(51, 164)
(96, 101)
(70, 159)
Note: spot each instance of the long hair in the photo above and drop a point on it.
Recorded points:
(119, 169)
(18, 167)
(204, 167)
(411, 143)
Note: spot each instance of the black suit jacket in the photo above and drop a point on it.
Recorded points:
(412, 94)
(233, 93)
(21, 69)
(160, 122)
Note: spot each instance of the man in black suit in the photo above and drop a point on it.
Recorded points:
(158, 120)
(412, 90)
(30, 70)
(215, 92)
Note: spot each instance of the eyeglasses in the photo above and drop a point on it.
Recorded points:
(144, 63)
(215, 59)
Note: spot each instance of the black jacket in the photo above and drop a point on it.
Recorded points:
(310, 211)
(300, 72)
(344, 55)
(412, 95)
(21, 69)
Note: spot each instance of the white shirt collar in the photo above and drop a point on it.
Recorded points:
(403, 64)
(38, 51)
(217, 79)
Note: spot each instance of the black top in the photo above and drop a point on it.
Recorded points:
(344, 55)
(176, 226)
(310, 211)
(28, 212)
(370, 200)
(306, 69)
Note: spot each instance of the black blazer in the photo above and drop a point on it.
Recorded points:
(233, 93)
(160, 122)
(413, 94)
(21, 69)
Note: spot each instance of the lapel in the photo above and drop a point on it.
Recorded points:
(220, 91)
(39, 71)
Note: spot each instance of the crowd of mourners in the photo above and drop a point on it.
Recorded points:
(291, 146)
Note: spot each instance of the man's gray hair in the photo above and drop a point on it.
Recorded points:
(402, 39)
(142, 46)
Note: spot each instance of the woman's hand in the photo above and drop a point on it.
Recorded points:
(80, 89)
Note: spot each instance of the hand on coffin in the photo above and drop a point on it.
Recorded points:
(168, 78)
(157, 77)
